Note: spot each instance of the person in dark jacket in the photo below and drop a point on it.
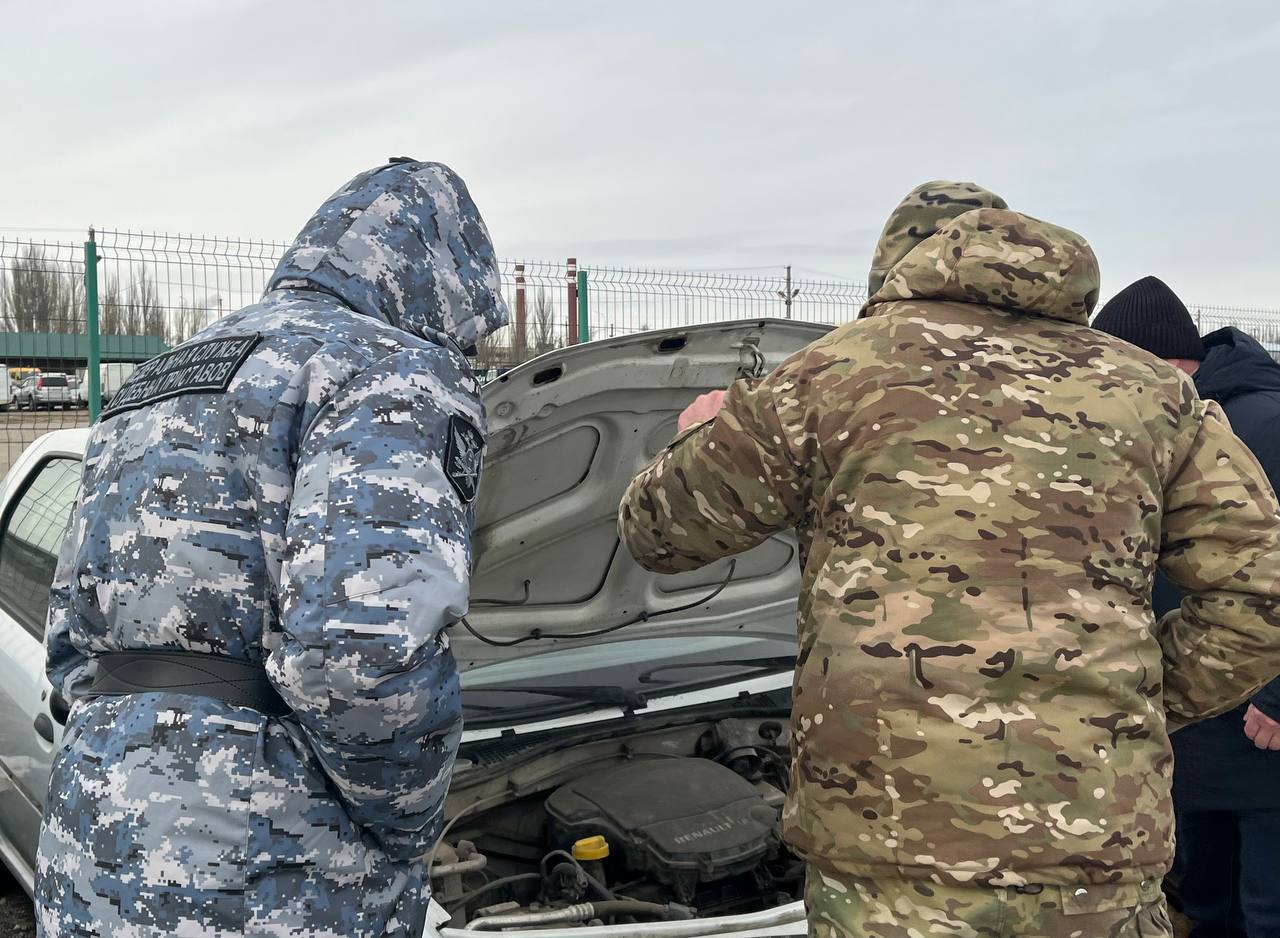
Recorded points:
(1226, 783)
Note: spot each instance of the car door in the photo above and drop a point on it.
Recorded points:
(33, 524)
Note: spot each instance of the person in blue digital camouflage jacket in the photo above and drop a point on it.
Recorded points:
(283, 503)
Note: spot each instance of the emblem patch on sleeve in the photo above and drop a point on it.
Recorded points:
(194, 368)
(462, 458)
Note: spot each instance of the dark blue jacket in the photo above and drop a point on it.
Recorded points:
(1217, 767)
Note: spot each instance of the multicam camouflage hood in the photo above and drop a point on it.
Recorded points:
(998, 258)
(926, 208)
(403, 243)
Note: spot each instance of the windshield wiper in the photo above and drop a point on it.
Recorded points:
(752, 664)
(593, 693)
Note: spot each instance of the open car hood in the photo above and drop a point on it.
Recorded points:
(567, 433)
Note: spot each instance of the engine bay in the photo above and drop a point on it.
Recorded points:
(656, 825)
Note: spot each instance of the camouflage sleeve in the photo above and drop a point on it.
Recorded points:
(69, 670)
(377, 565)
(719, 489)
(1220, 544)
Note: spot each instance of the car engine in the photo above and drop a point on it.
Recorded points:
(683, 822)
(647, 836)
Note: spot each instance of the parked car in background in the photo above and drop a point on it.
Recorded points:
(24, 392)
(111, 377)
(591, 689)
(44, 392)
(6, 388)
(74, 384)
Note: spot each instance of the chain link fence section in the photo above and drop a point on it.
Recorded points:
(625, 300)
(161, 289)
(548, 310)
(543, 315)
(156, 290)
(1262, 324)
(43, 341)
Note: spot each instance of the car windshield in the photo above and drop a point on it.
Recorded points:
(54, 381)
(614, 673)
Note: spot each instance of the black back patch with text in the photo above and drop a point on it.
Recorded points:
(462, 458)
(195, 368)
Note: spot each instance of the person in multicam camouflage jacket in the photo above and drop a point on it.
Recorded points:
(984, 488)
(292, 486)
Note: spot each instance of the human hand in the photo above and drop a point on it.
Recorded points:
(701, 410)
(1261, 729)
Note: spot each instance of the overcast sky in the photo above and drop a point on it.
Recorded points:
(691, 134)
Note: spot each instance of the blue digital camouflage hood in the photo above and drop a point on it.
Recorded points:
(406, 244)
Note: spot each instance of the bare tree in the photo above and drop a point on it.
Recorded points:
(544, 325)
(111, 310)
(145, 314)
(6, 320)
(493, 350)
(187, 320)
(39, 294)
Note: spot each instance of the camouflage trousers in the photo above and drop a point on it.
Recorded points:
(857, 907)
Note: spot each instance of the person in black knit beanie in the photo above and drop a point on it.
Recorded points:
(1226, 779)
(1150, 315)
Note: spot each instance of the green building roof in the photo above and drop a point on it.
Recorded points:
(34, 347)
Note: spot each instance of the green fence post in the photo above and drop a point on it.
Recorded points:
(94, 375)
(584, 318)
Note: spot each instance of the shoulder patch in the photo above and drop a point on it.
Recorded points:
(462, 458)
(195, 368)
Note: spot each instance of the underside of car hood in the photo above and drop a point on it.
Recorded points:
(567, 432)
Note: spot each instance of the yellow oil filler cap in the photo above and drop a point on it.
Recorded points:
(591, 848)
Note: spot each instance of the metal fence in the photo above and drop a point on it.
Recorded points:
(155, 290)
(43, 340)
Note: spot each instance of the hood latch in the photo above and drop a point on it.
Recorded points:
(751, 363)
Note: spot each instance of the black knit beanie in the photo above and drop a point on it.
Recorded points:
(1150, 315)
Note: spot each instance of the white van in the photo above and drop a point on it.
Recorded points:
(6, 388)
(111, 376)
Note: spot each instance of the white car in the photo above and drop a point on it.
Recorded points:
(626, 751)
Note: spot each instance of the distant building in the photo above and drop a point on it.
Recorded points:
(66, 352)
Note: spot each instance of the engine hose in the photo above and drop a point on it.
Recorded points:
(600, 887)
(581, 912)
(573, 913)
(473, 865)
(479, 891)
(668, 913)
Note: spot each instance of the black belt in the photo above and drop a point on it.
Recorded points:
(238, 683)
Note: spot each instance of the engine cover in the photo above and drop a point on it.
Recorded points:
(682, 821)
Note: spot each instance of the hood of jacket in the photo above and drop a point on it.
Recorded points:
(406, 244)
(996, 257)
(1235, 363)
(925, 209)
